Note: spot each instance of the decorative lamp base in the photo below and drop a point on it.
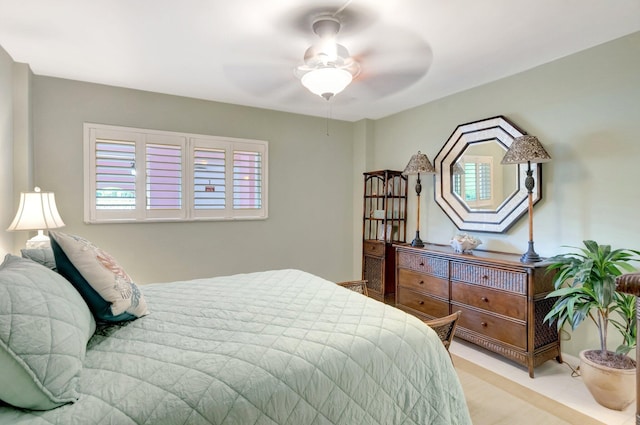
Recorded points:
(39, 241)
(417, 242)
(530, 256)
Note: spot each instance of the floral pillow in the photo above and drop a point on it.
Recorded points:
(105, 286)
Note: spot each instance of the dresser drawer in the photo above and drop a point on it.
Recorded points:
(424, 283)
(507, 280)
(373, 248)
(422, 303)
(493, 326)
(424, 264)
(512, 305)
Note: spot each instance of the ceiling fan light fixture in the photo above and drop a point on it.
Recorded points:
(328, 69)
(326, 82)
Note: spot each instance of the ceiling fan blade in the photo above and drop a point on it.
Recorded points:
(398, 59)
(391, 44)
(381, 85)
(260, 80)
(416, 63)
(266, 67)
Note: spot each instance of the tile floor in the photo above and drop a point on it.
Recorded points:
(551, 379)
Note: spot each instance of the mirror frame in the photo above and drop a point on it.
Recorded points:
(499, 221)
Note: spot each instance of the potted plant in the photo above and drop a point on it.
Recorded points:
(585, 287)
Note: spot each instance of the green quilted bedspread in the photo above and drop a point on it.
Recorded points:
(276, 347)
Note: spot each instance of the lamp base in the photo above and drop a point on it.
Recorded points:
(39, 241)
(417, 242)
(530, 256)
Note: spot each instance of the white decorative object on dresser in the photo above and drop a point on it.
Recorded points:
(502, 300)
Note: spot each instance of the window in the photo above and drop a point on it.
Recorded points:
(474, 186)
(145, 175)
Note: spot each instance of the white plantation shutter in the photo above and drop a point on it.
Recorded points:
(209, 181)
(247, 180)
(147, 175)
(484, 181)
(164, 178)
(115, 174)
(112, 186)
(477, 183)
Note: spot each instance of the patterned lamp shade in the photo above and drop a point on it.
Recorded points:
(525, 149)
(419, 164)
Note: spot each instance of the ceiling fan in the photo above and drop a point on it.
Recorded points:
(328, 68)
(382, 58)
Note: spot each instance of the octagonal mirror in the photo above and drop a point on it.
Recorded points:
(473, 189)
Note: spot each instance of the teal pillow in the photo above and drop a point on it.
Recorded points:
(105, 286)
(44, 329)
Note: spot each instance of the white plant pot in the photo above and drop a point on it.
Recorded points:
(612, 388)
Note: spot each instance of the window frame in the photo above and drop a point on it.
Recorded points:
(188, 144)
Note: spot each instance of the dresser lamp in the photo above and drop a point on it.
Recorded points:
(525, 150)
(419, 163)
(37, 211)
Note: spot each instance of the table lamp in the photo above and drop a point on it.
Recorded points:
(419, 163)
(37, 211)
(527, 149)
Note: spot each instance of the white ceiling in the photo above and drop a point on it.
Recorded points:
(244, 51)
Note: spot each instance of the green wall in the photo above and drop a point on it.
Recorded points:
(310, 192)
(6, 151)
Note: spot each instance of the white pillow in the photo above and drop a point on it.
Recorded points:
(106, 287)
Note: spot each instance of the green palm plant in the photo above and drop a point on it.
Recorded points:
(585, 287)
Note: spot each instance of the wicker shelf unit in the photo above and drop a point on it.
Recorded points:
(384, 223)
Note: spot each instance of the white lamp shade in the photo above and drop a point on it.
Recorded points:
(326, 82)
(37, 211)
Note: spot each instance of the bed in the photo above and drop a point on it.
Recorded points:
(274, 347)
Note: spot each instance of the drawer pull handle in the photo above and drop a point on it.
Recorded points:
(421, 282)
(421, 302)
(483, 324)
(485, 299)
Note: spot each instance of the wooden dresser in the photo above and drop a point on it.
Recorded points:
(502, 300)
